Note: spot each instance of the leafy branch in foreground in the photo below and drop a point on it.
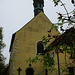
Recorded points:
(68, 17)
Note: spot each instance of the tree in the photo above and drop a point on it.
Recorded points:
(69, 18)
(2, 45)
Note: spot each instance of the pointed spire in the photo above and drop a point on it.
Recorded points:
(38, 6)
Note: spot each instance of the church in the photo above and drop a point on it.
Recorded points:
(27, 43)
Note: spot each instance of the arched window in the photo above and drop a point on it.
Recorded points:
(40, 47)
(29, 71)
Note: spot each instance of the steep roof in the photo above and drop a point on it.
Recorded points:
(66, 38)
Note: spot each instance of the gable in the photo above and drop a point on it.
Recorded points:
(37, 21)
(36, 28)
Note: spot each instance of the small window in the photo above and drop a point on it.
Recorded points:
(40, 47)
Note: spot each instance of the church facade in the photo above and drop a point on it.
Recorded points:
(25, 44)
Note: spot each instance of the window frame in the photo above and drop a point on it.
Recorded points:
(36, 47)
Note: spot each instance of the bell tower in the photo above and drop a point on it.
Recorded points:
(38, 6)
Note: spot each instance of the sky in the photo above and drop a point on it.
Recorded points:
(14, 14)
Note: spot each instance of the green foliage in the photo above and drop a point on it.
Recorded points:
(2, 45)
(44, 40)
(34, 59)
(67, 16)
(54, 26)
(56, 2)
(48, 61)
(73, 13)
(1, 39)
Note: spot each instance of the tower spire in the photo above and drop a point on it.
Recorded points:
(38, 6)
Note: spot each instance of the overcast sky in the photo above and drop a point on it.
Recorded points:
(14, 14)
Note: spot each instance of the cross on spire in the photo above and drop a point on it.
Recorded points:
(19, 70)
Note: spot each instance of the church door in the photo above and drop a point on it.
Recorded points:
(29, 71)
